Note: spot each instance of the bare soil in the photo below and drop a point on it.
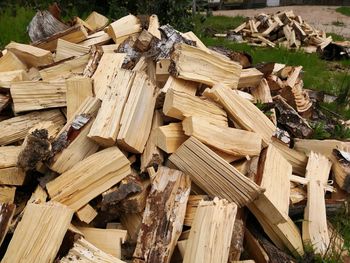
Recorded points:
(321, 17)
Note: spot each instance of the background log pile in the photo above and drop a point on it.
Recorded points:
(132, 142)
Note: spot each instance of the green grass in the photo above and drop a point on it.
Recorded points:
(220, 24)
(345, 10)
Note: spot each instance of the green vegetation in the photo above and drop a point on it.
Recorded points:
(345, 10)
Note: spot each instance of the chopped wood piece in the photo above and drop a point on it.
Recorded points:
(89, 178)
(340, 168)
(137, 115)
(39, 234)
(93, 62)
(162, 69)
(96, 21)
(12, 175)
(153, 26)
(242, 111)
(29, 55)
(123, 28)
(151, 154)
(192, 205)
(9, 156)
(7, 77)
(10, 62)
(132, 222)
(165, 209)
(107, 123)
(170, 137)
(86, 214)
(254, 249)
(194, 64)
(211, 232)
(7, 194)
(315, 230)
(78, 89)
(43, 95)
(84, 252)
(108, 240)
(111, 48)
(6, 213)
(250, 78)
(107, 68)
(179, 104)
(96, 39)
(144, 41)
(213, 174)
(324, 147)
(67, 49)
(16, 128)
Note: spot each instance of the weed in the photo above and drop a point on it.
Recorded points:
(338, 23)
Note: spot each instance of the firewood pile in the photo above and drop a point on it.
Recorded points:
(132, 142)
(282, 29)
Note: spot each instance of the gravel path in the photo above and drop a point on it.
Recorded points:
(321, 17)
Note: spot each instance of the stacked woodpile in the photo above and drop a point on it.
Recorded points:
(130, 141)
(282, 29)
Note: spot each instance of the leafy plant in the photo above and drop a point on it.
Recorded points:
(320, 132)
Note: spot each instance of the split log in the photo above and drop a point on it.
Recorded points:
(16, 128)
(7, 194)
(170, 137)
(162, 70)
(43, 95)
(93, 62)
(89, 178)
(211, 232)
(213, 174)
(29, 55)
(324, 147)
(86, 214)
(194, 64)
(239, 227)
(132, 222)
(7, 77)
(96, 21)
(153, 26)
(11, 175)
(136, 203)
(123, 28)
(96, 39)
(192, 205)
(254, 248)
(191, 36)
(10, 62)
(341, 168)
(67, 49)
(137, 114)
(229, 140)
(246, 114)
(39, 234)
(165, 209)
(179, 104)
(6, 213)
(107, 123)
(250, 78)
(144, 41)
(315, 230)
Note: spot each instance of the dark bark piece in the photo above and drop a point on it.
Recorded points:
(238, 236)
(242, 58)
(4, 101)
(44, 25)
(291, 120)
(341, 169)
(6, 213)
(93, 62)
(163, 216)
(132, 55)
(333, 207)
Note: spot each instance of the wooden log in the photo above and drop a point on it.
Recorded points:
(7, 194)
(108, 240)
(6, 213)
(213, 174)
(153, 26)
(341, 168)
(324, 147)
(170, 137)
(137, 115)
(111, 48)
(12, 175)
(16, 128)
(152, 155)
(39, 234)
(191, 36)
(86, 214)
(192, 205)
(96, 39)
(229, 140)
(123, 28)
(107, 123)
(194, 64)
(250, 78)
(166, 207)
(254, 249)
(89, 178)
(162, 70)
(43, 95)
(179, 104)
(144, 41)
(78, 89)
(67, 49)
(211, 232)
(132, 222)
(96, 21)
(10, 62)
(246, 114)
(7, 77)
(107, 68)
(84, 251)
(93, 62)
(315, 230)
(29, 55)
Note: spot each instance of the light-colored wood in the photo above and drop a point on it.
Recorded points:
(162, 69)
(11, 175)
(78, 89)
(7, 212)
(89, 178)
(250, 78)
(293, 77)
(242, 111)
(170, 137)
(107, 123)
(108, 240)
(153, 26)
(341, 168)
(52, 129)
(192, 205)
(7, 77)
(254, 249)
(324, 147)
(211, 232)
(7, 194)
(192, 63)
(191, 36)
(84, 252)
(229, 140)
(96, 21)
(107, 68)
(179, 105)
(213, 174)
(181, 246)
(9, 156)
(109, 48)
(132, 222)
(10, 62)
(30, 55)
(86, 214)
(98, 38)
(165, 208)
(65, 69)
(181, 85)
(39, 196)
(67, 49)
(16, 128)
(39, 234)
(123, 28)
(152, 154)
(315, 230)
(37, 95)
(136, 121)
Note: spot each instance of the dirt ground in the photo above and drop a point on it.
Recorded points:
(321, 17)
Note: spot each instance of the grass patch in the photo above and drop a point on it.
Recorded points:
(336, 37)
(345, 10)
